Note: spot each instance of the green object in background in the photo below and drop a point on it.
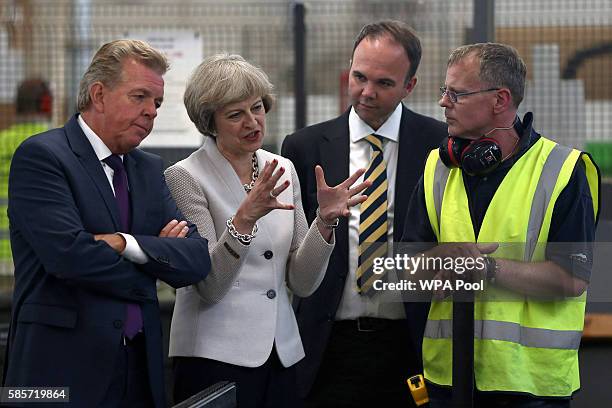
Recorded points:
(602, 154)
(10, 139)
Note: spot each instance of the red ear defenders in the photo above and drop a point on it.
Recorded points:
(476, 157)
(34, 96)
(45, 103)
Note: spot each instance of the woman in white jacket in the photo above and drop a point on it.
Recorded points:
(238, 324)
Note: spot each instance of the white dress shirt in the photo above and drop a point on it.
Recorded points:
(354, 305)
(132, 251)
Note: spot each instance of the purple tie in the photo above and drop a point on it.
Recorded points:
(133, 318)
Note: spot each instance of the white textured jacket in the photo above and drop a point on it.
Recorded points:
(242, 308)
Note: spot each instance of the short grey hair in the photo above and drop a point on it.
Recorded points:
(500, 66)
(107, 66)
(220, 80)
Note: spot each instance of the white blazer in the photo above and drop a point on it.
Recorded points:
(242, 308)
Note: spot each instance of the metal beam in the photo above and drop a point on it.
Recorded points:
(484, 21)
(299, 81)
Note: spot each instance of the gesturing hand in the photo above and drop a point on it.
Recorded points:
(262, 198)
(335, 201)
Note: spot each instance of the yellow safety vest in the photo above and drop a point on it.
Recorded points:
(520, 344)
(10, 139)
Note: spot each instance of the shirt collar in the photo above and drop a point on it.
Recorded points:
(102, 151)
(358, 129)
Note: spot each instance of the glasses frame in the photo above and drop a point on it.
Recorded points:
(454, 96)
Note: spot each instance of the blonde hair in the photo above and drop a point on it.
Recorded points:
(107, 65)
(220, 80)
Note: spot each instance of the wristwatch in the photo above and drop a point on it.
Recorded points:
(492, 268)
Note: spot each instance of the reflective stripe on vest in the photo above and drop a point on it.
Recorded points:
(440, 179)
(509, 331)
(543, 194)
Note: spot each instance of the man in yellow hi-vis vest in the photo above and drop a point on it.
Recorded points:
(527, 207)
(33, 108)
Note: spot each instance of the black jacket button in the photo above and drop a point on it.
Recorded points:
(118, 324)
(271, 294)
(268, 254)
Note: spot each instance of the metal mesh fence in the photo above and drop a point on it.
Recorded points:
(566, 45)
(568, 48)
(331, 30)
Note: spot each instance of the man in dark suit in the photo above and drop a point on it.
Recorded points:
(359, 348)
(93, 226)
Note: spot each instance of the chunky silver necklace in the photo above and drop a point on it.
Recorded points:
(254, 175)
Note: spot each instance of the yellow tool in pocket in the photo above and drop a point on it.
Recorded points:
(417, 387)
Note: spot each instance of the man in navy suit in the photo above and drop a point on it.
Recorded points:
(93, 226)
(360, 349)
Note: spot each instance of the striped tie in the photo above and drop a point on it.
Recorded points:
(373, 219)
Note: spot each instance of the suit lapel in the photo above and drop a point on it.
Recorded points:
(409, 166)
(138, 191)
(226, 172)
(86, 155)
(334, 154)
(405, 166)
